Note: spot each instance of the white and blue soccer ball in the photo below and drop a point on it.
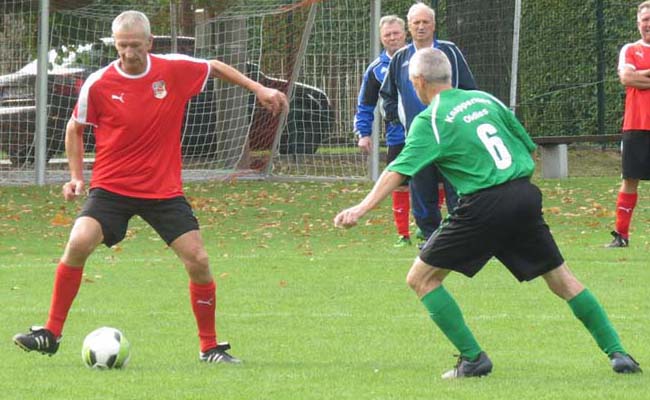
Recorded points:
(106, 348)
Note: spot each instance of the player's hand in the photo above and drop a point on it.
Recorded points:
(273, 100)
(348, 217)
(365, 144)
(73, 189)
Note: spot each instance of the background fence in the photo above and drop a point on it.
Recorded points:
(566, 83)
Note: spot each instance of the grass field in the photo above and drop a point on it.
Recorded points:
(316, 312)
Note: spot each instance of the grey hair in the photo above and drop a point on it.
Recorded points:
(642, 6)
(131, 20)
(391, 19)
(419, 7)
(430, 64)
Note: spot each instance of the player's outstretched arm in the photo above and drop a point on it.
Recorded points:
(273, 100)
(387, 182)
(74, 148)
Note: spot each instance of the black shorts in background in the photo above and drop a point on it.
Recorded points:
(635, 155)
(170, 218)
(392, 153)
(505, 222)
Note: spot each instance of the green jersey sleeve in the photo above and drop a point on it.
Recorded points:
(420, 148)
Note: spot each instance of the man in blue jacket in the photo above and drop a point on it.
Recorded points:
(392, 35)
(401, 103)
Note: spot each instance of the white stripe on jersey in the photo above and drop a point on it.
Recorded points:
(188, 58)
(82, 104)
(621, 58)
(434, 111)
(499, 102)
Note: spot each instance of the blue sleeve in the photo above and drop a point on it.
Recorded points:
(466, 79)
(389, 93)
(366, 103)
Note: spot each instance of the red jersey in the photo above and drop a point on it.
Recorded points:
(137, 122)
(637, 101)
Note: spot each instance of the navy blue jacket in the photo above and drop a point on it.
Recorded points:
(400, 101)
(368, 99)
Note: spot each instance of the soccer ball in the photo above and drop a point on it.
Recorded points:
(105, 348)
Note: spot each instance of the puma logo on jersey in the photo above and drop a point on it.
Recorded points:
(639, 54)
(627, 210)
(119, 98)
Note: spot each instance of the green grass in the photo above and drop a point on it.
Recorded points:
(316, 312)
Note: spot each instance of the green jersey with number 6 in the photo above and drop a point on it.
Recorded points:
(475, 141)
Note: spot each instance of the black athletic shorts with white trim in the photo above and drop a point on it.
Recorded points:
(503, 221)
(635, 155)
(170, 218)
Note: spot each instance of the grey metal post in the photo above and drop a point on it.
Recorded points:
(375, 48)
(515, 55)
(173, 32)
(40, 136)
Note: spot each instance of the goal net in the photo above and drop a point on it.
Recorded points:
(225, 132)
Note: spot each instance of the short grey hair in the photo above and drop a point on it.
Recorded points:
(430, 64)
(642, 6)
(419, 7)
(131, 20)
(391, 19)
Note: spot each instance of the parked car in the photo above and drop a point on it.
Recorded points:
(308, 124)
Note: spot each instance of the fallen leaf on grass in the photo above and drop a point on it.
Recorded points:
(60, 220)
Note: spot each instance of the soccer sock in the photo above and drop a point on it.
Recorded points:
(444, 311)
(624, 208)
(401, 212)
(441, 196)
(67, 280)
(587, 309)
(203, 298)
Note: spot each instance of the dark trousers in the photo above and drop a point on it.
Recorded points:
(424, 198)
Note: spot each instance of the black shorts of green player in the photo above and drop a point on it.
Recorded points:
(170, 218)
(504, 221)
(635, 155)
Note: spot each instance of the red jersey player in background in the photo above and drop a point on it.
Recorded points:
(634, 72)
(136, 106)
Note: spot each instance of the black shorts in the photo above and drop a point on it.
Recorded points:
(392, 153)
(504, 221)
(170, 218)
(635, 154)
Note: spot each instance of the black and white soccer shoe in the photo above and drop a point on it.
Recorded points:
(219, 354)
(468, 369)
(38, 339)
(624, 363)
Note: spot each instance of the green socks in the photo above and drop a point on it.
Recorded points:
(444, 311)
(587, 309)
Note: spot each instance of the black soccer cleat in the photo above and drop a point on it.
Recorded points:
(624, 363)
(618, 241)
(218, 354)
(38, 339)
(467, 369)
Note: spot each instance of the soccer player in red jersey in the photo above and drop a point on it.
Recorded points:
(634, 73)
(136, 106)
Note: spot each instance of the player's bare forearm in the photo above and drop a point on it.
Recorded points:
(385, 185)
(74, 148)
(271, 99)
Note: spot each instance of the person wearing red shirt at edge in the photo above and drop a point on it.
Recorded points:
(136, 106)
(634, 73)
